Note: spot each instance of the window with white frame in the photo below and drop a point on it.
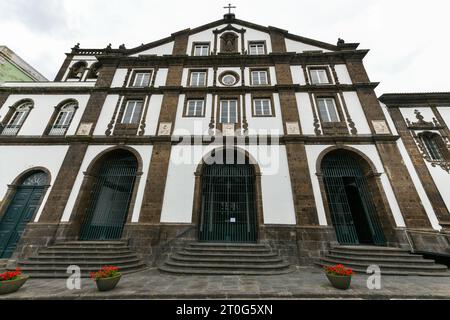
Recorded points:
(256, 48)
(327, 109)
(201, 49)
(198, 78)
(132, 112)
(262, 107)
(319, 76)
(17, 119)
(228, 111)
(195, 107)
(142, 79)
(259, 77)
(63, 119)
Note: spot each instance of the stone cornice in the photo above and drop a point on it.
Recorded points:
(414, 99)
(252, 139)
(162, 89)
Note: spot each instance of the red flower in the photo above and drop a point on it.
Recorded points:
(339, 270)
(105, 272)
(11, 275)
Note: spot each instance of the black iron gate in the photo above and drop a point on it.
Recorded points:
(351, 206)
(110, 198)
(228, 212)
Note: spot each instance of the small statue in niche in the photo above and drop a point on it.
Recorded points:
(229, 42)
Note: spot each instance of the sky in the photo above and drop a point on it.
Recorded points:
(404, 36)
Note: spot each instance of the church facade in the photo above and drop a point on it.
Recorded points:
(228, 132)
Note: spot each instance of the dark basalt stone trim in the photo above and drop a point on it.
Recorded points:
(163, 89)
(413, 99)
(308, 139)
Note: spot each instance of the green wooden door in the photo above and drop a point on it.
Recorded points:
(21, 210)
(228, 212)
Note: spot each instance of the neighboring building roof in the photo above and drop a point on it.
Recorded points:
(14, 68)
(415, 98)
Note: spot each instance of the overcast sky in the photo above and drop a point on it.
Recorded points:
(404, 37)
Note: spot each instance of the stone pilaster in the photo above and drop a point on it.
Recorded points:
(417, 159)
(59, 76)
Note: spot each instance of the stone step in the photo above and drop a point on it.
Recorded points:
(91, 243)
(62, 274)
(96, 256)
(378, 260)
(228, 260)
(61, 269)
(374, 254)
(227, 265)
(388, 266)
(369, 249)
(362, 271)
(228, 255)
(83, 249)
(80, 263)
(227, 245)
(228, 250)
(188, 271)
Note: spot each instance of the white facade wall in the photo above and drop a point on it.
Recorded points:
(298, 76)
(342, 73)
(15, 160)
(192, 125)
(272, 75)
(44, 106)
(356, 112)
(277, 199)
(145, 151)
(161, 50)
(106, 114)
(305, 112)
(299, 47)
(264, 125)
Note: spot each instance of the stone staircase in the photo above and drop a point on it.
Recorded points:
(226, 259)
(52, 261)
(392, 261)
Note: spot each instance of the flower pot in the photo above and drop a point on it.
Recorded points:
(106, 284)
(340, 282)
(11, 286)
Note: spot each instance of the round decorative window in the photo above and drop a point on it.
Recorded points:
(229, 78)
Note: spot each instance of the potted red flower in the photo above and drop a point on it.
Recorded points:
(106, 278)
(11, 281)
(339, 276)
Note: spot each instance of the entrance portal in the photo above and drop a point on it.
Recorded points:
(110, 197)
(21, 210)
(350, 202)
(228, 209)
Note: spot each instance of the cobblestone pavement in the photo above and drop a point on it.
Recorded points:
(304, 283)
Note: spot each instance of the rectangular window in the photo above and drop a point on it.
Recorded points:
(132, 111)
(201, 49)
(262, 107)
(228, 111)
(257, 48)
(198, 78)
(259, 77)
(319, 76)
(142, 79)
(327, 109)
(194, 108)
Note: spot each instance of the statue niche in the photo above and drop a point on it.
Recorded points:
(229, 43)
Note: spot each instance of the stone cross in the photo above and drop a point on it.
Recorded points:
(229, 8)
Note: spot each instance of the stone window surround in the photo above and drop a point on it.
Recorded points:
(189, 79)
(328, 127)
(194, 97)
(12, 110)
(199, 43)
(55, 114)
(217, 109)
(331, 80)
(135, 71)
(266, 69)
(252, 42)
(255, 96)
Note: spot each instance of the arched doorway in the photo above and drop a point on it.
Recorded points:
(350, 202)
(27, 197)
(111, 193)
(228, 201)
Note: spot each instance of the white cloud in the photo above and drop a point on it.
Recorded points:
(405, 37)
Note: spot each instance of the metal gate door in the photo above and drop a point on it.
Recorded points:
(21, 210)
(228, 204)
(335, 168)
(110, 199)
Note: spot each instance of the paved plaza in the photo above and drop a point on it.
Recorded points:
(304, 283)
